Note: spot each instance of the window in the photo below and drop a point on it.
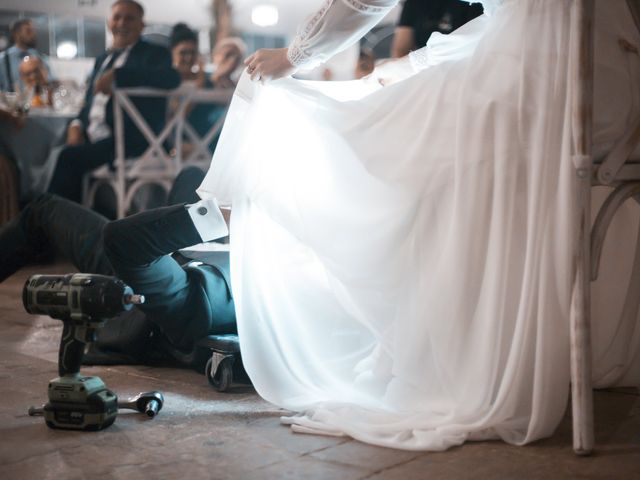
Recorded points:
(60, 36)
(94, 37)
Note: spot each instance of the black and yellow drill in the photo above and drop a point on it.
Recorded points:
(83, 302)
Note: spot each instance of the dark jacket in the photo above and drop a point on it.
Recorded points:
(147, 65)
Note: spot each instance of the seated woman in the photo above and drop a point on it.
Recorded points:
(401, 256)
(227, 56)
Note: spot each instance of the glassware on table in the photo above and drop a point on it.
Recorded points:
(61, 98)
(15, 102)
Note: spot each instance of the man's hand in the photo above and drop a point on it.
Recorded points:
(104, 84)
(269, 64)
(75, 135)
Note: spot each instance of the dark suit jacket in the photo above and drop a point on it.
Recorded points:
(147, 65)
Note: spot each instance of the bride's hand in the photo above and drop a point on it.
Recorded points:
(269, 64)
(391, 71)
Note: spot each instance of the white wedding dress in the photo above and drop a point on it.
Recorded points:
(401, 257)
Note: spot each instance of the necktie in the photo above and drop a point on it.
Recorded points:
(114, 56)
(108, 63)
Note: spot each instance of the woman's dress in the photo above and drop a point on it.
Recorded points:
(402, 256)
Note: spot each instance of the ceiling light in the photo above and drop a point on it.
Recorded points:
(67, 50)
(264, 15)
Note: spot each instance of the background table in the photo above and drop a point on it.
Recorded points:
(35, 148)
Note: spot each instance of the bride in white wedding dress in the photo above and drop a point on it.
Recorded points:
(401, 256)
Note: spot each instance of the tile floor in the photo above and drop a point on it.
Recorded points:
(201, 433)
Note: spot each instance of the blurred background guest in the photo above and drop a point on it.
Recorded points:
(185, 56)
(33, 75)
(24, 37)
(227, 57)
(131, 62)
(420, 18)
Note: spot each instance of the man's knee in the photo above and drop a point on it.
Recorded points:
(39, 207)
(125, 241)
(46, 199)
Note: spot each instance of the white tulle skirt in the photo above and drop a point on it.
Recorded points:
(402, 256)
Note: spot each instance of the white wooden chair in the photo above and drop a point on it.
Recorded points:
(155, 166)
(620, 169)
(199, 153)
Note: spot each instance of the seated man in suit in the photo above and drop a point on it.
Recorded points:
(185, 301)
(131, 62)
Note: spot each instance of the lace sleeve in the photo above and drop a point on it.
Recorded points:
(335, 26)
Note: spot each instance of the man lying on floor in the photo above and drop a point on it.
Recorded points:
(185, 300)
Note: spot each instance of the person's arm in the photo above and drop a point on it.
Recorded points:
(337, 25)
(77, 126)
(458, 44)
(403, 41)
(404, 38)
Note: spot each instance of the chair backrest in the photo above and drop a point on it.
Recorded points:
(200, 154)
(155, 157)
(176, 128)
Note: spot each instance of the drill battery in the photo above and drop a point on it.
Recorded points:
(80, 403)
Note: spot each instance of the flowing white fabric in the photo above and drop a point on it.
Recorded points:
(401, 257)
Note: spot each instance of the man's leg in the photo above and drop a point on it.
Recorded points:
(51, 224)
(74, 162)
(138, 248)
(184, 186)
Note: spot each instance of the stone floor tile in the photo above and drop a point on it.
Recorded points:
(307, 468)
(366, 456)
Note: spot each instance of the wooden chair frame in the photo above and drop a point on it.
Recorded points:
(155, 165)
(619, 169)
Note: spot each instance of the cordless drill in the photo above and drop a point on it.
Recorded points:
(83, 302)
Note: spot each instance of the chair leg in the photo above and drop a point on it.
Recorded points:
(580, 330)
